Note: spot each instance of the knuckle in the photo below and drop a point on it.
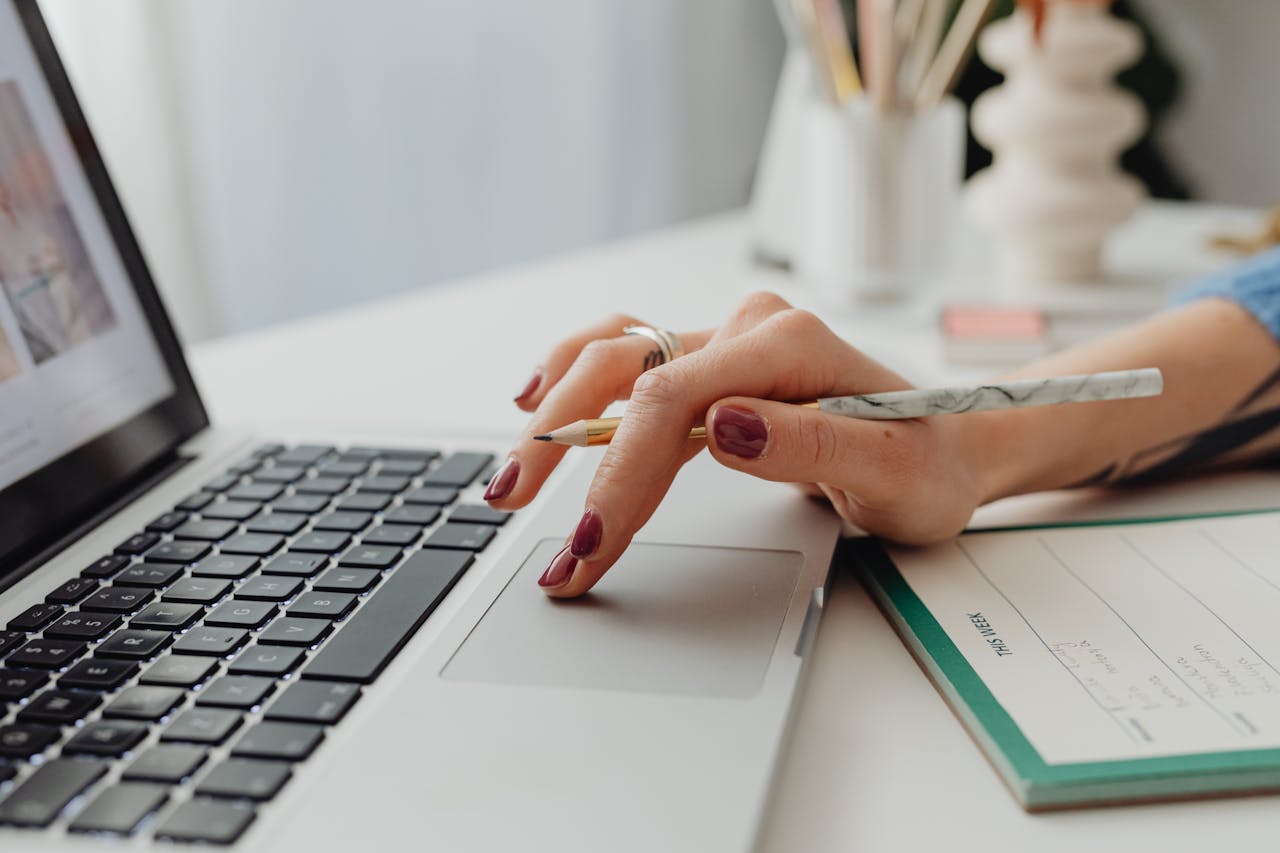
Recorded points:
(598, 352)
(658, 387)
(762, 303)
(799, 322)
(820, 443)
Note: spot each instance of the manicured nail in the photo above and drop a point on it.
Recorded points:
(560, 570)
(586, 539)
(503, 481)
(529, 387)
(739, 431)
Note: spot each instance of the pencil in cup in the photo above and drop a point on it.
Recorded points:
(927, 402)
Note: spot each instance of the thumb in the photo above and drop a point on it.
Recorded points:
(796, 444)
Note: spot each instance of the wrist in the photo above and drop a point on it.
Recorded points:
(992, 452)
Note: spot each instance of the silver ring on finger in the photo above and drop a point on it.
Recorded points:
(669, 345)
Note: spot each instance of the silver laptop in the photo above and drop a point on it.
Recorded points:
(328, 643)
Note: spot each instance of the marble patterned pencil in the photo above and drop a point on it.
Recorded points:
(927, 402)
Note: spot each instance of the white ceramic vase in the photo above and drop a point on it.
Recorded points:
(1056, 126)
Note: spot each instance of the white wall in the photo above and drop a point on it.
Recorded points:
(335, 150)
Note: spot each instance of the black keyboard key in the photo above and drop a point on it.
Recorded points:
(209, 821)
(231, 510)
(398, 535)
(18, 684)
(321, 543)
(269, 449)
(196, 502)
(72, 591)
(253, 544)
(416, 514)
(179, 671)
(83, 626)
(319, 702)
(144, 702)
(467, 537)
(168, 522)
(35, 617)
(202, 725)
(23, 740)
(236, 691)
(366, 502)
(105, 567)
(206, 530)
(339, 468)
(389, 484)
(294, 631)
(371, 557)
(460, 469)
(46, 654)
(350, 522)
(303, 454)
(137, 543)
(322, 605)
(414, 453)
(283, 523)
(118, 599)
(389, 618)
(168, 762)
(401, 467)
(120, 809)
(108, 738)
(167, 616)
(222, 483)
(305, 504)
(260, 492)
(241, 614)
(279, 741)
(347, 580)
(178, 552)
(132, 644)
(266, 660)
(62, 707)
(10, 640)
(98, 674)
(279, 474)
(293, 564)
(38, 800)
(245, 778)
(154, 575)
(225, 566)
(321, 485)
(479, 514)
(214, 642)
(435, 495)
(269, 588)
(197, 590)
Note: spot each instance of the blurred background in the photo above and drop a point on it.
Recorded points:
(285, 157)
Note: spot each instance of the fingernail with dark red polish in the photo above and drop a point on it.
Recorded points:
(586, 539)
(503, 481)
(529, 387)
(560, 570)
(739, 431)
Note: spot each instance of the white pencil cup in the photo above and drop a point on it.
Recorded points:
(881, 198)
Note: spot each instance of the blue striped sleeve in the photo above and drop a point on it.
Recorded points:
(1254, 284)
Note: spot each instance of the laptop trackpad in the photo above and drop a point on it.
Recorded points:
(665, 619)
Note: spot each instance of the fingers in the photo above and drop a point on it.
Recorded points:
(603, 371)
(789, 356)
(560, 358)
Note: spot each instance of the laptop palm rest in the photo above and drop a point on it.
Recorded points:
(677, 619)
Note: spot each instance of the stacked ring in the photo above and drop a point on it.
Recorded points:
(669, 344)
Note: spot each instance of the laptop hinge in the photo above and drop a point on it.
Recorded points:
(143, 482)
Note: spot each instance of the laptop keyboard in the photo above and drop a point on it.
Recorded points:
(178, 683)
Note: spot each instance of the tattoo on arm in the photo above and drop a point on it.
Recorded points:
(1249, 433)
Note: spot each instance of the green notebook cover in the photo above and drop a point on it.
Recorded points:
(1034, 782)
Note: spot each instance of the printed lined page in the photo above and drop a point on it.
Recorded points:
(1124, 641)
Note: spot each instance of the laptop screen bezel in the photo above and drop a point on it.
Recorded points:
(44, 506)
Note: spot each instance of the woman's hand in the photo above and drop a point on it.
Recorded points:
(907, 480)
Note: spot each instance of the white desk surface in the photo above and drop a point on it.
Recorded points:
(877, 761)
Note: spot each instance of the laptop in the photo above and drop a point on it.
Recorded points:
(315, 642)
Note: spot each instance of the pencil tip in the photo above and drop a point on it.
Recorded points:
(542, 438)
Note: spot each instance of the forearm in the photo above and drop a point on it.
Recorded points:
(1220, 406)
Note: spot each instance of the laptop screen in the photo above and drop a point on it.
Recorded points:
(89, 370)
